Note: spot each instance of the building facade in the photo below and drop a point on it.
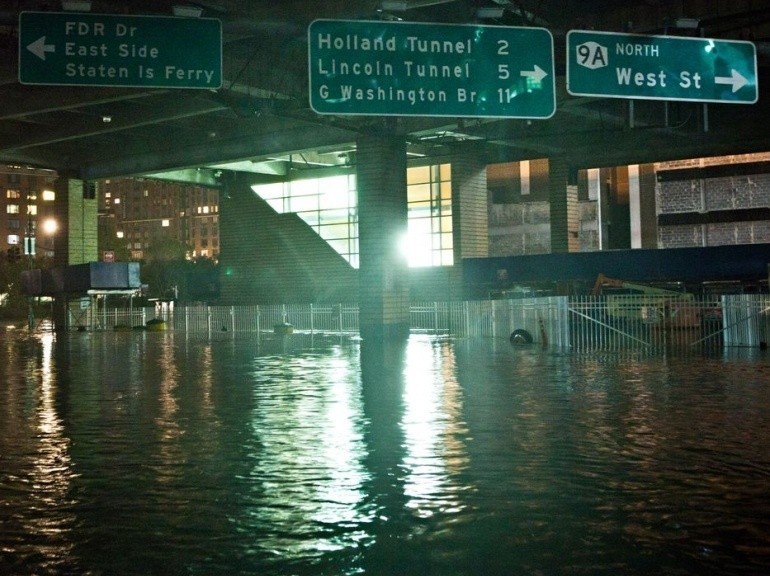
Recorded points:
(150, 217)
(27, 202)
(702, 202)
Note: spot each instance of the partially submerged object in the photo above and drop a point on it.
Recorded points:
(283, 328)
(155, 325)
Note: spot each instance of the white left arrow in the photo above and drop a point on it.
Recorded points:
(537, 74)
(735, 78)
(39, 48)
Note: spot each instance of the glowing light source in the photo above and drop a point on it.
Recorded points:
(50, 226)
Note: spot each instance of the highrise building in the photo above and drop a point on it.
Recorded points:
(27, 198)
(152, 218)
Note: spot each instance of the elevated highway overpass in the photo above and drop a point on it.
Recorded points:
(261, 113)
(260, 119)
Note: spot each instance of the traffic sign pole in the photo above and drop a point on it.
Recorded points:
(617, 65)
(410, 69)
(68, 48)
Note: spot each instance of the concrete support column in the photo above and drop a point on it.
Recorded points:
(75, 212)
(641, 204)
(470, 218)
(565, 214)
(469, 208)
(240, 232)
(634, 205)
(76, 238)
(648, 211)
(382, 225)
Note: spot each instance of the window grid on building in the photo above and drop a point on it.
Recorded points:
(429, 214)
(330, 207)
(146, 210)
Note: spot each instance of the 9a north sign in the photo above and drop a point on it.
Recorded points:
(645, 67)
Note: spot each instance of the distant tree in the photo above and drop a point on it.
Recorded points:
(108, 240)
(160, 248)
(13, 304)
(202, 280)
(163, 267)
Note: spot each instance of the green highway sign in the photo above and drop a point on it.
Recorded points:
(388, 68)
(70, 48)
(616, 65)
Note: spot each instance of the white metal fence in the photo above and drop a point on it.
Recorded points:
(606, 322)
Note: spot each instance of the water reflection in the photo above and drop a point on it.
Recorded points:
(35, 461)
(433, 428)
(138, 453)
(416, 443)
(307, 474)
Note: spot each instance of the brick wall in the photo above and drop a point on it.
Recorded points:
(518, 229)
(703, 196)
(77, 237)
(589, 225)
(469, 208)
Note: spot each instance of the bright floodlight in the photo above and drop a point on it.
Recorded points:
(50, 226)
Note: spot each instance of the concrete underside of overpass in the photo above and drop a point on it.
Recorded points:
(261, 114)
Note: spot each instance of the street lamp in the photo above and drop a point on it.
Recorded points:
(29, 251)
(49, 227)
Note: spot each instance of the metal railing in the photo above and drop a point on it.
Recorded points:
(619, 322)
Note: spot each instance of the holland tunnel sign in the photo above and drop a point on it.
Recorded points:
(408, 69)
(69, 48)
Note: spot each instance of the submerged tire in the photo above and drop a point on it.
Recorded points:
(521, 336)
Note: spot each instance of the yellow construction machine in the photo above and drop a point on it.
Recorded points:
(648, 304)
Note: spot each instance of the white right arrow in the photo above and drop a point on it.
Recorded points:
(39, 48)
(735, 79)
(537, 74)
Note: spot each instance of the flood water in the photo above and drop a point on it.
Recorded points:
(154, 453)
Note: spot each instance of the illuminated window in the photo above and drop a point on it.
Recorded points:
(117, 200)
(330, 207)
(120, 234)
(165, 223)
(31, 209)
(12, 209)
(429, 208)
(12, 194)
(48, 195)
(13, 239)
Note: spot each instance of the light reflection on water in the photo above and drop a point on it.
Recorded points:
(150, 453)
